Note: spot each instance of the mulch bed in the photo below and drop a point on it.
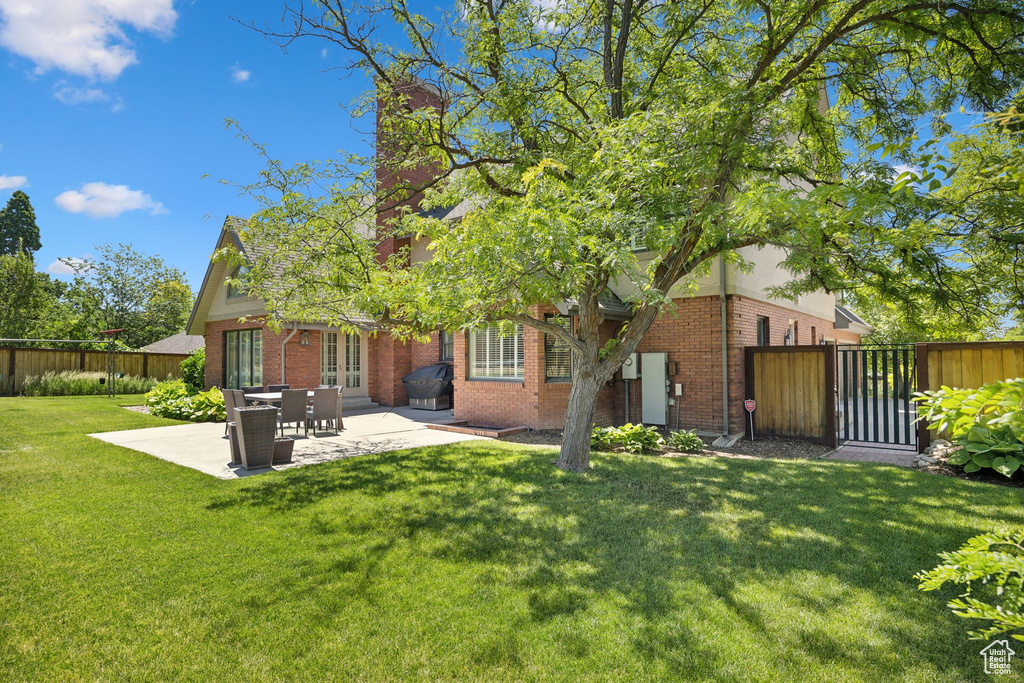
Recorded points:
(776, 449)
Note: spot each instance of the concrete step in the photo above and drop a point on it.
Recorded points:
(357, 404)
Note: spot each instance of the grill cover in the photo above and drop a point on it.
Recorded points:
(429, 381)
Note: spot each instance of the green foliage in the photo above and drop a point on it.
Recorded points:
(632, 438)
(80, 383)
(573, 133)
(603, 438)
(20, 294)
(126, 289)
(991, 567)
(988, 423)
(686, 441)
(193, 370)
(18, 230)
(177, 400)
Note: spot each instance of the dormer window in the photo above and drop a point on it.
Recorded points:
(237, 291)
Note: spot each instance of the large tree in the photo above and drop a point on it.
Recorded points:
(578, 129)
(18, 229)
(122, 288)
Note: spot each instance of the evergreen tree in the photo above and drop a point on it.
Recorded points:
(18, 229)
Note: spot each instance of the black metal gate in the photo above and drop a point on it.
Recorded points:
(875, 385)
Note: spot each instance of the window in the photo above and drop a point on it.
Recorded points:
(238, 291)
(763, 338)
(352, 361)
(446, 340)
(814, 335)
(557, 353)
(796, 333)
(329, 358)
(494, 356)
(243, 357)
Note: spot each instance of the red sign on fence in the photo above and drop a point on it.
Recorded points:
(749, 405)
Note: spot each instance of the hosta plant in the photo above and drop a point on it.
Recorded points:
(686, 441)
(603, 438)
(987, 423)
(639, 439)
(990, 568)
(177, 400)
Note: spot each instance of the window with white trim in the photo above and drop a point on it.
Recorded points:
(493, 356)
(557, 352)
(352, 361)
(446, 340)
(243, 358)
(329, 358)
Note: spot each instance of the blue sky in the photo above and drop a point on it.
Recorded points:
(137, 98)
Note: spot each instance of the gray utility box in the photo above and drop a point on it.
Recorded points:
(654, 388)
(442, 402)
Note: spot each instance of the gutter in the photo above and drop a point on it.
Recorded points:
(725, 347)
(295, 328)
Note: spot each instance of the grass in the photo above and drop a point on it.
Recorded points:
(478, 560)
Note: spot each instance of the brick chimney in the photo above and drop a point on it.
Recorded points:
(392, 359)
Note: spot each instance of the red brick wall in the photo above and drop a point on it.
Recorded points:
(302, 362)
(690, 334)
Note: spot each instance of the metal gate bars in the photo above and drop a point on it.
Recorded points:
(875, 385)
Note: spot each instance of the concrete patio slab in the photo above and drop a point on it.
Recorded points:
(204, 447)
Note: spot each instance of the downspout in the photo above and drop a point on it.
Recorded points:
(725, 347)
(295, 328)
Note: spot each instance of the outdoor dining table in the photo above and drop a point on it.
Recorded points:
(272, 396)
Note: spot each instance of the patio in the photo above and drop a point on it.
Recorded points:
(204, 447)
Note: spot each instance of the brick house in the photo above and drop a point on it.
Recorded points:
(524, 380)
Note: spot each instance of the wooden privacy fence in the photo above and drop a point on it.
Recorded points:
(794, 387)
(966, 365)
(19, 363)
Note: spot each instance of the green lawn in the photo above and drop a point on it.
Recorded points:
(472, 561)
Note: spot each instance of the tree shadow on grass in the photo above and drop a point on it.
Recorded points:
(685, 548)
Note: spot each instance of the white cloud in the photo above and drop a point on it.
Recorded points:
(12, 182)
(900, 169)
(82, 37)
(323, 53)
(69, 94)
(101, 200)
(63, 267)
(239, 75)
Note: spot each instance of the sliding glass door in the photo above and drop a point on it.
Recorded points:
(243, 358)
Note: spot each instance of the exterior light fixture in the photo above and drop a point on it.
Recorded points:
(787, 339)
(304, 338)
(822, 340)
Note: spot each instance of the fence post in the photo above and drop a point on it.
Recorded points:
(81, 360)
(748, 383)
(831, 430)
(10, 368)
(921, 361)
(145, 364)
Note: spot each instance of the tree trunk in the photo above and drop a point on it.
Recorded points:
(579, 421)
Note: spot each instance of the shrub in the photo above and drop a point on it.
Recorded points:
(193, 370)
(602, 438)
(80, 383)
(987, 423)
(176, 400)
(991, 568)
(686, 441)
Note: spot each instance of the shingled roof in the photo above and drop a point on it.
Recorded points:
(177, 343)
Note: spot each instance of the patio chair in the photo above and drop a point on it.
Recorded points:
(229, 408)
(278, 387)
(293, 409)
(325, 408)
(251, 390)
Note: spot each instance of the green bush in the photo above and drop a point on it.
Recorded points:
(631, 437)
(80, 383)
(177, 400)
(602, 438)
(686, 441)
(991, 569)
(193, 370)
(988, 424)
